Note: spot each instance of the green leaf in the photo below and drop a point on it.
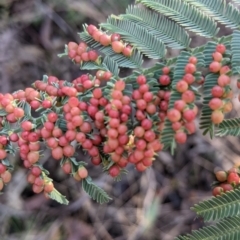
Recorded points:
(226, 205)
(95, 192)
(185, 15)
(27, 109)
(169, 32)
(45, 78)
(229, 127)
(205, 120)
(220, 10)
(90, 66)
(119, 177)
(226, 229)
(236, 1)
(110, 65)
(235, 52)
(2, 113)
(209, 49)
(138, 36)
(57, 196)
(179, 71)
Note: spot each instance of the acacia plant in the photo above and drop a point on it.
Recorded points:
(117, 121)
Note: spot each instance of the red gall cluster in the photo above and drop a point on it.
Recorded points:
(163, 101)
(84, 83)
(54, 88)
(117, 114)
(164, 79)
(222, 92)
(46, 96)
(146, 138)
(39, 182)
(79, 53)
(103, 75)
(114, 40)
(184, 111)
(227, 181)
(5, 174)
(163, 96)
(80, 122)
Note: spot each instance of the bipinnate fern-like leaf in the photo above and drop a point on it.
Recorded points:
(179, 71)
(162, 28)
(205, 119)
(220, 10)
(95, 192)
(135, 61)
(110, 65)
(138, 36)
(209, 49)
(229, 127)
(227, 229)
(236, 1)
(107, 64)
(210, 81)
(235, 52)
(226, 205)
(185, 15)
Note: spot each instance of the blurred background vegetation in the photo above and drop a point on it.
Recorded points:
(146, 206)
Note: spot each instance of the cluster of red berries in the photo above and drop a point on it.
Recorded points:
(5, 174)
(163, 96)
(46, 96)
(79, 53)
(222, 92)
(165, 79)
(162, 101)
(113, 40)
(39, 182)
(117, 114)
(78, 116)
(114, 125)
(146, 137)
(227, 181)
(85, 82)
(8, 103)
(103, 75)
(184, 111)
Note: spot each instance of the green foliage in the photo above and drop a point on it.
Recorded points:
(226, 205)
(185, 15)
(220, 10)
(229, 127)
(205, 120)
(170, 33)
(138, 36)
(224, 208)
(108, 64)
(95, 192)
(235, 52)
(226, 229)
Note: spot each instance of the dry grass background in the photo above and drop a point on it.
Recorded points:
(154, 205)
